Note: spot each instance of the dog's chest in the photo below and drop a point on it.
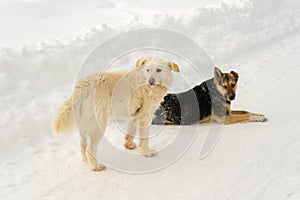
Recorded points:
(150, 97)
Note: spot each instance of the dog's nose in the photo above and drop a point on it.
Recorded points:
(151, 81)
(231, 97)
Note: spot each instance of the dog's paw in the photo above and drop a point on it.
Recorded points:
(97, 167)
(149, 153)
(84, 158)
(258, 118)
(130, 145)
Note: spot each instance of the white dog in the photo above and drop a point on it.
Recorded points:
(132, 94)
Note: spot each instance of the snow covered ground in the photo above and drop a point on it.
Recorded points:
(258, 38)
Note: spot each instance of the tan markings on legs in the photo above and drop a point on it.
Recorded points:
(166, 122)
(228, 109)
(240, 116)
(231, 119)
(239, 112)
(253, 116)
(205, 119)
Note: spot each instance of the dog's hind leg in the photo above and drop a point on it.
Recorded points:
(95, 135)
(205, 119)
(83, 145)
(92, 151)
(131, 132)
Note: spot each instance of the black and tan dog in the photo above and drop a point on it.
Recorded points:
(209, 101)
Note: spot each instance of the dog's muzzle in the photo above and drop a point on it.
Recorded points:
(151, 81)
(231, 97)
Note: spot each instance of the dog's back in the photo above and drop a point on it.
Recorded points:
(185, 108)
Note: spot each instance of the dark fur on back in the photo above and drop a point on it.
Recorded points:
(191, 106)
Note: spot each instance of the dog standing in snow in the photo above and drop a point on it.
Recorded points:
(132, 94)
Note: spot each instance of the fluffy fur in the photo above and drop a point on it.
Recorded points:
(132, 94)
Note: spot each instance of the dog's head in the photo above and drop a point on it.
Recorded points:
(157, 71)
(226, 83)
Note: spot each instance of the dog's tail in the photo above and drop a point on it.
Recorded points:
(63, 121)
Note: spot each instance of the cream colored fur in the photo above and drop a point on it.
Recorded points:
(131, 94)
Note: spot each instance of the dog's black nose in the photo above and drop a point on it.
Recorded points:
(231, 97)
(151, 81)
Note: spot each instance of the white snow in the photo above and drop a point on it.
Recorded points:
(31, 21)
(258, 38)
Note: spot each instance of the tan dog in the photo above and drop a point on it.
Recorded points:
(131, 94)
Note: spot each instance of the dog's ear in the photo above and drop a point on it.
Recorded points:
(174, 67)
(140, 62)
(235, 74)
(217, 73)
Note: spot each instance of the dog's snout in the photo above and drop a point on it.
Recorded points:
(231, 97)
(151, 81)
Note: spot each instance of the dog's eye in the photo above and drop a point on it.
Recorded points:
(147, 70)
(225, 87)
(158, 70)
(232, 84)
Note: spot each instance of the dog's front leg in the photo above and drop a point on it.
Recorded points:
(95, 137)
(253, 117)
(144, 138)
(238, 117)
(131, 132)
(144, 142)
(258, 117)
(239, 112)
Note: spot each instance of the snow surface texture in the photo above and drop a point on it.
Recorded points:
(259, 39)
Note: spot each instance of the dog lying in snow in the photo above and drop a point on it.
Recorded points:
(132, 94)
(211, 100)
